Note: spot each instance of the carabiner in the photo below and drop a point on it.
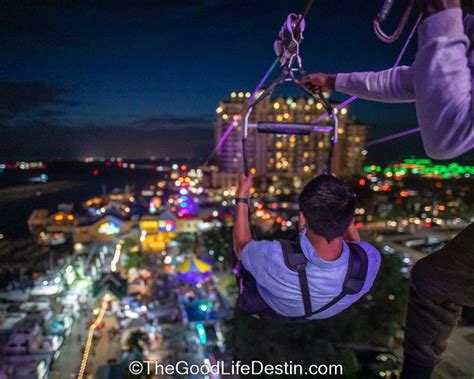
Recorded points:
(382, 15)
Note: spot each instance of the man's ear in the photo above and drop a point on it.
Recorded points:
(302, 223)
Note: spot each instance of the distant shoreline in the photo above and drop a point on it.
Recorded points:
(28, 191)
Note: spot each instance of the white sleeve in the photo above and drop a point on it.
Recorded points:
(394, 85)
(443, 86)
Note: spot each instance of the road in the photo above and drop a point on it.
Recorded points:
(67, 365)
(105, 349)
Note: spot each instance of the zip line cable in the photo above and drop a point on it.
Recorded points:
(396, 64)
(326, 114)
(404, 133)
(392, 137)
(239, 116)
(308, 7)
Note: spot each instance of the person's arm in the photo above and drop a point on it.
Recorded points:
(394, 85)
(242, 234)
(443, 85)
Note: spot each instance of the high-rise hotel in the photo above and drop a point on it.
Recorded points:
(286, 155)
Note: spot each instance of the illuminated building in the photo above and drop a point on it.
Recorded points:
(188, 225)
(61, 222)
(109, 228)
(187, 207)
(119, 204)
(348, 155)
(38, 220)
(229, 156)
(104, 229)
(51, 229)
(286, 155)
(156, 232)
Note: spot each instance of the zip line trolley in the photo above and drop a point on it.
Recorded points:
(287, 49)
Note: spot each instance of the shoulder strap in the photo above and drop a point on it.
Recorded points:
(295, 260)
(355, 276)
(354, 280)
(357, 269)
(293, 255)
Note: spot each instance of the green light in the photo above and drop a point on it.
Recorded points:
(418, 162)
(425, 168)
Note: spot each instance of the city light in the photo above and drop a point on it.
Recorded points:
(166, 225)
(109, 228)
(203, 307)
(201, 332)
(115, 260)
(90, 336)
(128, 244)
(424, 168)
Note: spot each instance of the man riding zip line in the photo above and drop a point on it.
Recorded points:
(327, 271)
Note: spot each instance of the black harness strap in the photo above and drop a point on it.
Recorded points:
(308, 309)
(354, 280)
(357, 270)
(355, 275)
(296, 261)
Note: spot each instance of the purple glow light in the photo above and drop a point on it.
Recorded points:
(392, 137)
(239, 117)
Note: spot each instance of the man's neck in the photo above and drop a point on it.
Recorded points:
(327, 251)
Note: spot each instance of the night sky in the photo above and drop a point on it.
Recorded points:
(136, 79)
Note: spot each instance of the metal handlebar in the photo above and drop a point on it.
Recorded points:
(284, 128)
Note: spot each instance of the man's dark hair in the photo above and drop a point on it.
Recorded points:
(328, 205)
